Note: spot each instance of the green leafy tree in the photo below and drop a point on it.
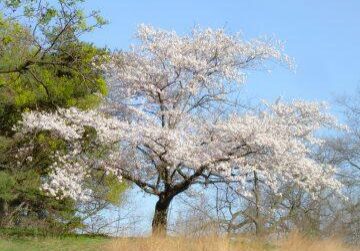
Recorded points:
(43, 66)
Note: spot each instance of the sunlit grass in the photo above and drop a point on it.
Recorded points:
(293, 243)
(53, 244)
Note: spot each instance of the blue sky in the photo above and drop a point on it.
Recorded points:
(323, 36)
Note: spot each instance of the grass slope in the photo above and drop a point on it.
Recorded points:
(53, 244)
(80, 243)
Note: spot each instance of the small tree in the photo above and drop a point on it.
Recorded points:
(344, 151)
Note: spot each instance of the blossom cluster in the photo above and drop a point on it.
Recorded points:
(71, 166)
(70, 124)
(276, 142)
(185, 71)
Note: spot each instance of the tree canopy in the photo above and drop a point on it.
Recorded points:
(44, 66)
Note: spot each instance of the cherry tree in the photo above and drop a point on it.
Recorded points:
(177, 124)
(182, 127)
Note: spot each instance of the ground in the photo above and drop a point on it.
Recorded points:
(53, 244)
(81, 243)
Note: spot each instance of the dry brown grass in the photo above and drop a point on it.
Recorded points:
(293, 243)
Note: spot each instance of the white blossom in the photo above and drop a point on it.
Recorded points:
(70, 168)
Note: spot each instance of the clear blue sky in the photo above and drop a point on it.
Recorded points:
(322, 35)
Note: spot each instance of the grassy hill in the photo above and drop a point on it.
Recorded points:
(53, 244)
(88, 243)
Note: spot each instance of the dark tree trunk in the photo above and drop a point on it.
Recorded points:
(159, 223)
(4, 212)
(258, 217)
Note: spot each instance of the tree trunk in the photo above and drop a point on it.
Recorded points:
(159, 223)
(4, 212)
(259, 221)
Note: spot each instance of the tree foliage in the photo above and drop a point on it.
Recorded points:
(44, 66)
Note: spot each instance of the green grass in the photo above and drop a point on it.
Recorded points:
(53, 244)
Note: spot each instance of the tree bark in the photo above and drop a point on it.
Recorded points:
(159, 223)
(259, 221)
(4, 212)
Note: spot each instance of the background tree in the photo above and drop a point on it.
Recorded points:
(266, 214)
(43, 66)
(328, 215)
(344, 150)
